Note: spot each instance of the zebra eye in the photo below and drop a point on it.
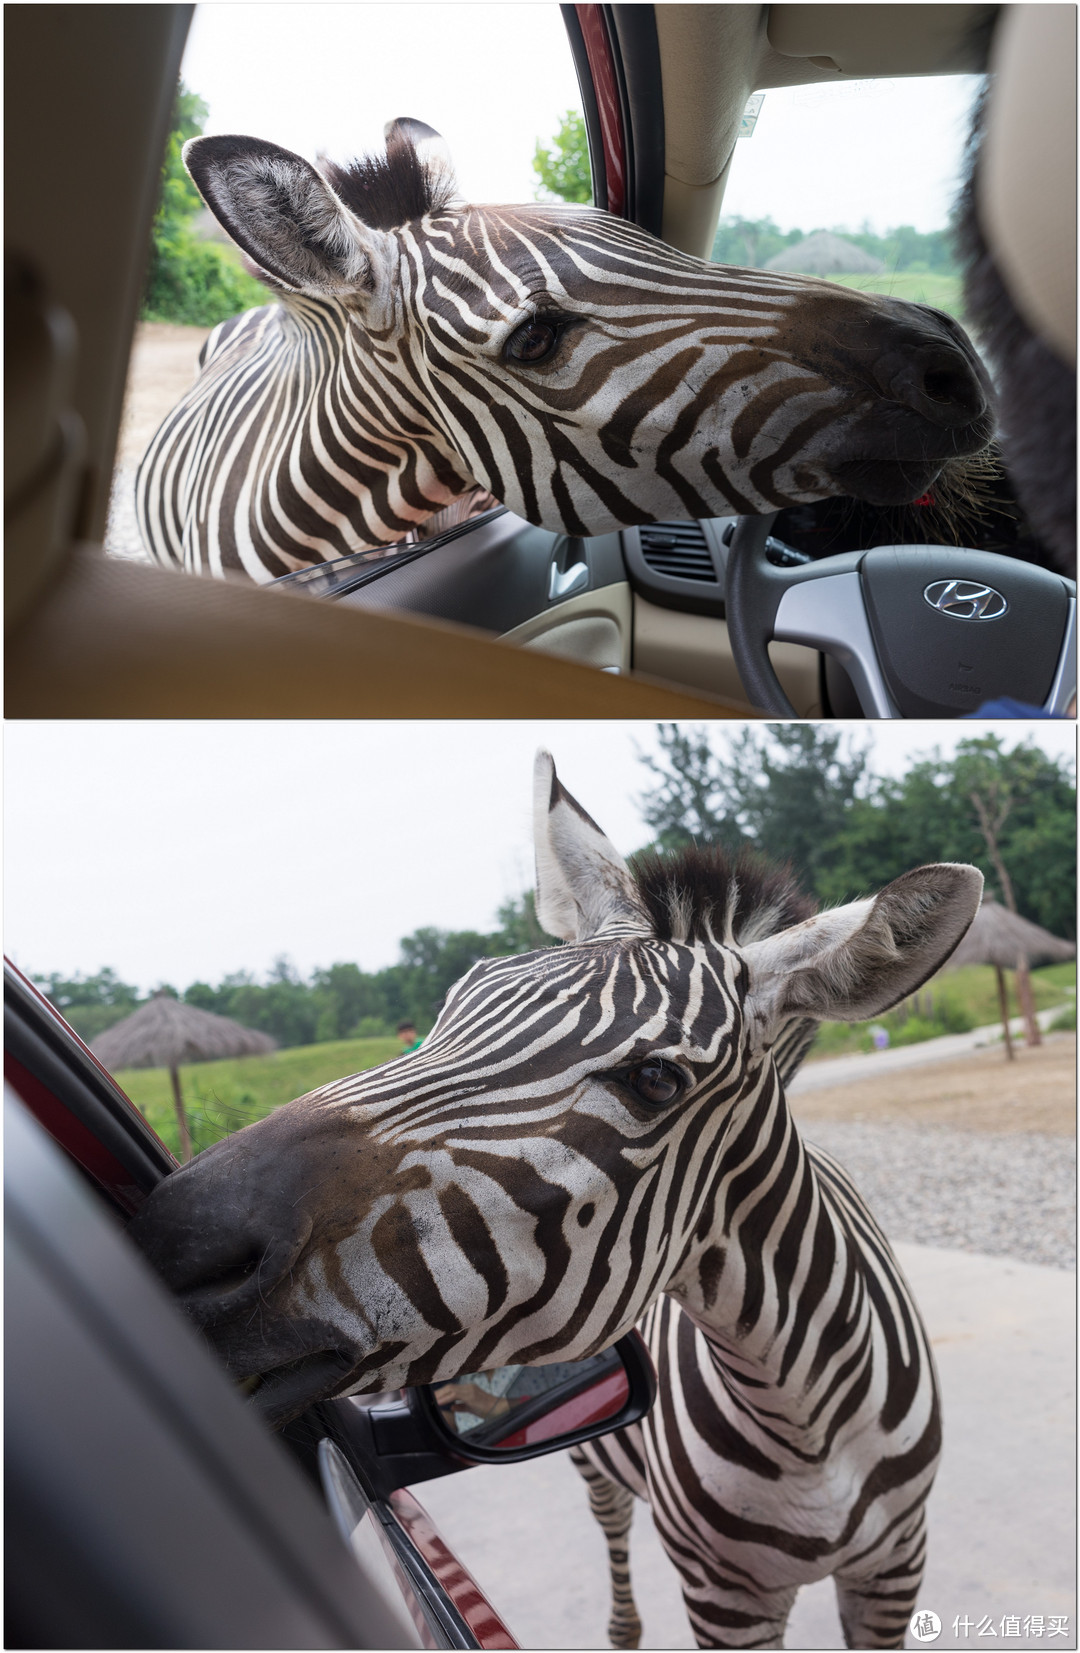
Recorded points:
(655, 1081)
(533, 341)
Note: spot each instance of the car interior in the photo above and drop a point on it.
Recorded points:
(635, 623)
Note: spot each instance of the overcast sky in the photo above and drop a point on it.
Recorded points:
(495, 78)
(183, 851)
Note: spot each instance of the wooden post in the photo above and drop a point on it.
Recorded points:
(990, 829)
(181, 1116)
(1003, 1000)
(1027, 1001)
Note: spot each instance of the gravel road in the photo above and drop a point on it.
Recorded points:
(973, 1153)
(1002, 1195)
(164, 361)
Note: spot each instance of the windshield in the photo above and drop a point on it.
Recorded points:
(496, 82)
(855, 183)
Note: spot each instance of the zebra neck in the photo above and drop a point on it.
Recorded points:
(776, 1264)
(367, 391)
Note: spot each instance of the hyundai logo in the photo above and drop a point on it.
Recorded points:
(966, 600)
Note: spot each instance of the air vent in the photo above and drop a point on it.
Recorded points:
(678, 549)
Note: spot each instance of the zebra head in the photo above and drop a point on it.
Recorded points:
(585, 373)
(553, 1157)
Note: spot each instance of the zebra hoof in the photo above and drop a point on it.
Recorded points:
(625, 1632)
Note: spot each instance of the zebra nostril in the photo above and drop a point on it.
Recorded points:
(217, 1288)
(944, 386)
(223, 1282)
(939, 383)
(218, 1257)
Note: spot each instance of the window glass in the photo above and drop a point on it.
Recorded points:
(495, 81)
(856, 183)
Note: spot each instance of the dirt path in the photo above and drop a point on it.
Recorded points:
(980, 1092)
(164, 359)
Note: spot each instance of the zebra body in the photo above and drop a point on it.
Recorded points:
(568, 363)
(761, 1479)
(595, 1134)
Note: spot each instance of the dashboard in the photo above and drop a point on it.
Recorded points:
(649, 599)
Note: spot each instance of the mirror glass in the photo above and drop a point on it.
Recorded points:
(510, 1407)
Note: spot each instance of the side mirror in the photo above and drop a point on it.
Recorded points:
(498, 1416)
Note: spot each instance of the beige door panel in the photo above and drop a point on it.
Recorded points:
(593, 629)
(120, 640)
(694, 651)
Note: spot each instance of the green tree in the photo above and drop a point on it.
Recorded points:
(90, 1003)
(432, 960)
(563, 170)
(750, 242)
(189, 280)
(928, 815)
(802, 793)
(285, 1006)
(347, 996)
(519, 928)
(784, 789)
(688, 804)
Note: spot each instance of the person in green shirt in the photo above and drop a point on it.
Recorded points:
(410, 1039)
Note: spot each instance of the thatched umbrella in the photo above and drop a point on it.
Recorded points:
(166, 1033)
(1001, 938)
(824, 253)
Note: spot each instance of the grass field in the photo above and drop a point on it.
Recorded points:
(944, 292)
(222, 1096)
(959, 999)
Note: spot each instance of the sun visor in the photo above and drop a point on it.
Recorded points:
(862, 41)
(713, 57)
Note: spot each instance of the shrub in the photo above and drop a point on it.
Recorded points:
(1064, 1021)
(371, 1027)
(189, 280)
(197, 283)
(563, 170)
(905, 1027)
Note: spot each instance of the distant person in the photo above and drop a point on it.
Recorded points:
(410, 1039)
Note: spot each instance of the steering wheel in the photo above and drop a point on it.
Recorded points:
(921, 630)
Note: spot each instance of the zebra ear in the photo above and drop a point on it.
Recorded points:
(859, 960)
(584, 891)
(431, 147)
(276, 206)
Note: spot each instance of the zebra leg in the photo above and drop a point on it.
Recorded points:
(875, 1608)
(726, 1613)
(613, 1507)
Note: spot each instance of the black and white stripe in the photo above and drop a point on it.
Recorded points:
(594, 1136)
(568, 363)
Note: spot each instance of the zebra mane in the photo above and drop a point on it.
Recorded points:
(385, 191)
(702, 893)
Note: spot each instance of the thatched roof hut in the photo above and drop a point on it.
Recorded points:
(1000, 937)
(167, 1034)
(824, 253)
(1005, 940)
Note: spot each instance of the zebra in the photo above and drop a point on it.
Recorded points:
(596, 1135)
(551, 357)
